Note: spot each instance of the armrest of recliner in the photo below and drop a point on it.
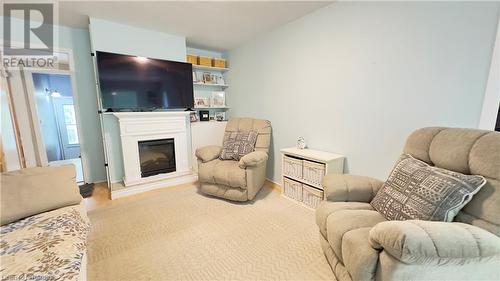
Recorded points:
(253, 159)
(435, 243)
(208, 153)
(343, 188)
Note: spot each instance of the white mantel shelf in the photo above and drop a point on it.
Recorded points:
(148, 114)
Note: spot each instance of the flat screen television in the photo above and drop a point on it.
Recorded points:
(142, 84)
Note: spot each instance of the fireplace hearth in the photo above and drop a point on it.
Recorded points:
(156, 157)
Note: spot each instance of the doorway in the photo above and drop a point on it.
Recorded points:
(55, 114)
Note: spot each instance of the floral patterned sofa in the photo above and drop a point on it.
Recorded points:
(44, 225)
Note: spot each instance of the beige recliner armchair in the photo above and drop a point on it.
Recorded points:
(235, 180)
(361, 245)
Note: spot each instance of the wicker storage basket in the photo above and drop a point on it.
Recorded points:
(311, 196)
(313, 173)
(292, 189)
(292, 167)
(219, 63)
(205, 61)
(192, 59)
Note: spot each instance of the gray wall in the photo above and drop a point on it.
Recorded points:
(357, 77)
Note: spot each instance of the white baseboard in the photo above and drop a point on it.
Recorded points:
(99, 181)
(153, 185)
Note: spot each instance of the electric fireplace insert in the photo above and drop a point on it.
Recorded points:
(156, 157)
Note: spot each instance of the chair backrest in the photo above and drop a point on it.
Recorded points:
(262, 127)
(468, 151)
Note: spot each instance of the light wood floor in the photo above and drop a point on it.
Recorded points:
(101, 196)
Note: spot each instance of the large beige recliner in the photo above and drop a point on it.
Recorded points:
(235, 180)
(361, 245)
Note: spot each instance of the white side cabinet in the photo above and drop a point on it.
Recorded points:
(205, 133)
(303, 171)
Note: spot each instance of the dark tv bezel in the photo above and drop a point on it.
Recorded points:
(136, 109)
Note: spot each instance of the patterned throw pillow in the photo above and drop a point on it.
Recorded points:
(416, 190)
(237, 145)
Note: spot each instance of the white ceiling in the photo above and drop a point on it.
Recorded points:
(212, 25)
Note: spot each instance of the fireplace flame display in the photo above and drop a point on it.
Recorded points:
(156, 157)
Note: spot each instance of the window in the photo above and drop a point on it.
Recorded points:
(70, 123)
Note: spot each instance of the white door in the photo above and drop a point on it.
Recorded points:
(9, 135)
(51, 97)
(15, 82)
(66, 122)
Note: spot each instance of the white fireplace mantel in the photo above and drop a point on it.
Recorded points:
(143, 126)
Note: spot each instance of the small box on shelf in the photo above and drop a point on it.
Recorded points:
(205, 61)
(192, 59)
(217, 62)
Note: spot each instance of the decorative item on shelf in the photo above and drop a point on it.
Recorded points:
(220, 79)
(201, 102)
(207, 78)
(192, 59)
(217, 62)
(193, 116)
(195, 77)
(205, 61)
(204, 115)
(220, 116)
(301, 143)
(218, 99)
(214, 78)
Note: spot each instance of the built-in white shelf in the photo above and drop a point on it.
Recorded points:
(215, 107)
(202, 67)
(210, 85)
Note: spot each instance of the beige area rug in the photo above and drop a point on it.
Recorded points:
(180, 234)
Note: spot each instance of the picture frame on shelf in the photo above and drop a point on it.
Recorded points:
(214, 78)
(204, 115)
(218, 99)
(207, 78)
(193, 116)
(201, 102)
(220, 116)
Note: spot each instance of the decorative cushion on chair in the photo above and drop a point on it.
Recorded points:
(416, 190)
(238, 144)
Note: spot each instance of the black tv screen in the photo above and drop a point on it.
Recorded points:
(138, 83)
